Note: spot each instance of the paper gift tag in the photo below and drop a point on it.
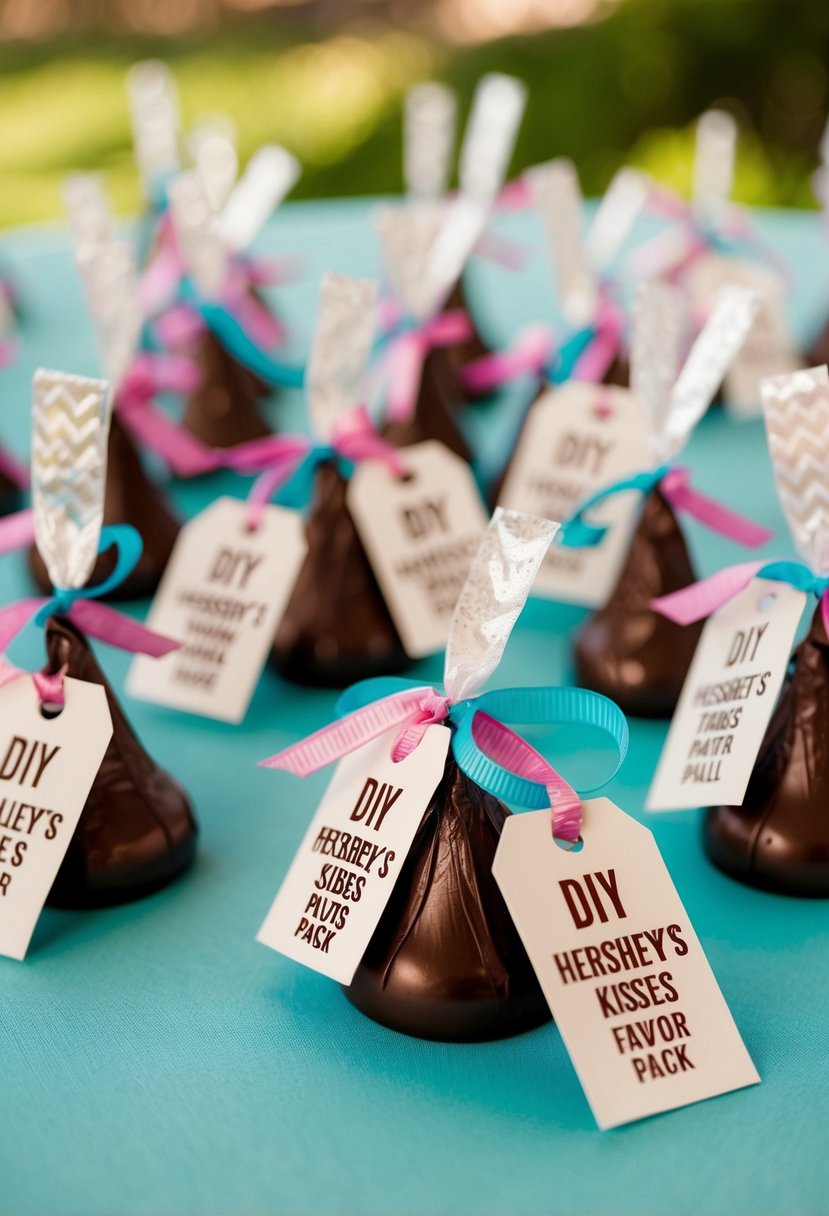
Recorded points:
(638, 1007)
(222, 595)
(340, 880)
(47, 767)
(727, 699)
(768, 348)
(420, 534)
(577, 439)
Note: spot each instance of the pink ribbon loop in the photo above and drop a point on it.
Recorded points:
(355, 438)
(515, 754)
(261, 326)
(407, 352)
(677, 489)
(529, 355)
(701, 599)
(92, 617)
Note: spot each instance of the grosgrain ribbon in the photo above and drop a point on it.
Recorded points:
(675, 486)
(701, 599)
(407, 345)
(585, 355)
(80, 605)
(353, 440)
(670, 253)
(488, 751)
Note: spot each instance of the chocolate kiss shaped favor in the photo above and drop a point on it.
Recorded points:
(445, 961)
(137, 831)
(131, 496)
(336, 627)
(626, 650)
(224, 409)
(779, 838)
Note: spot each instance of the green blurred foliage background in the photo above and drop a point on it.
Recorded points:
(625, 85)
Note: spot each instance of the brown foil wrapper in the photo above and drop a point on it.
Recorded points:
(818, 353)
(445, 961)
(130, 497)
(224, 410)
(626, 650)
(136, 832)
(779, 838)
(336, 628)
(439, 399)
(474, 348)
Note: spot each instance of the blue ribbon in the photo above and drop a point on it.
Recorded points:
(578, 533)
(524, 706)
(128, 549)
(561, 366)
(297, 490)
(796, 574)
(238, 342)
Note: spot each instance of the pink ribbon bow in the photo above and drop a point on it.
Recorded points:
(353, 438)
(530, 354)
(677, 489)
(409, 713)
(407, 353)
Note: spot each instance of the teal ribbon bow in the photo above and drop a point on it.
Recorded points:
(578, 533)
(226, 328)
(128, 546)
(523, 706)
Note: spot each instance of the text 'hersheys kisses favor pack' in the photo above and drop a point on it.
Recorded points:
(442, 914)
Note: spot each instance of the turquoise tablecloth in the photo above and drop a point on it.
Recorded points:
(156, 1060)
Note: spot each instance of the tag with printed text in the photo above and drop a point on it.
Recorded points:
(577, 439)
(340, 880)
(47, 767)
(638, 1007)
(222, 595)
(727, 699)
(420, 533)
(768, 349)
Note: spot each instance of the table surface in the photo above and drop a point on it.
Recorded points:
(157, 1060)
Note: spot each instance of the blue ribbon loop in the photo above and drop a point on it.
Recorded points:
(128, 549)
(225, 327)
(796, 574)
(296, 492)
(523, 706)
(578, 533)
(562, 365)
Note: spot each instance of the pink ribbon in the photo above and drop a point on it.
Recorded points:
(353, 438)
(502, 251)
(595, 362)
(532, 351)
(92, 617)
(677, 489)
(407, 352)
(261, 326)
(698, 601)
(411, 712)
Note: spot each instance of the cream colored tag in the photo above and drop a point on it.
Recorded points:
(727, 699)
(577, 439)
(638, 1007)
(222, 595)
(768, 349)
(47, 767)
(341, 878)
(421, 534)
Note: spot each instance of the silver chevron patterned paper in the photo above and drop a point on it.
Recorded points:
(623, 202)
(211, 142)
(197, 229)
(270, 174)
(711, 355)
(429, 118)
(110, 282)
(346, 320)
(87, 208)
(70, 425)
(716, 147)
(489, 138)
(796, 411)
(555, 186)
(153, 102)
(659, 318)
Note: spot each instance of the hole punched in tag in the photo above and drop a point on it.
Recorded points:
(569, 846)
(49, 686)
(767, 601)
